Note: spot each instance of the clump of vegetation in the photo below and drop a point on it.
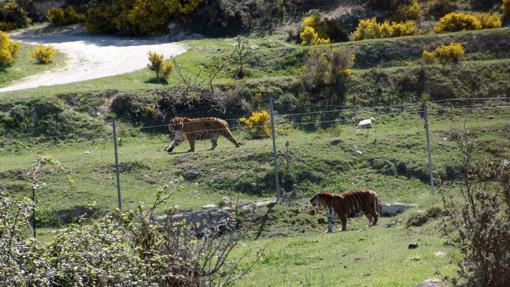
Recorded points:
(136, 17)
(325, 73)
(479, 220)
(8, 49)
(128, 249)
(325, 67)
(12, 16)
(241, 55)
(313, 33)
(410, 11)
(65, 16)
(451, 53)
(505, 6)
(159, 66)
(458, 21)
(257, 124)
(421, 217)
(489, 21)
(439, 8)
(371, 29)
(43, 54)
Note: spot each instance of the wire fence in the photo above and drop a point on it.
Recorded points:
(310, 149)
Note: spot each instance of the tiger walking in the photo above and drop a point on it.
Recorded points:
(347, 204)
(192, 129)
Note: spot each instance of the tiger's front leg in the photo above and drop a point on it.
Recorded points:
(331, 220)
(173, 144)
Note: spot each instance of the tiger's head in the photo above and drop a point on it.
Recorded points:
(315, 203)
(176, 124)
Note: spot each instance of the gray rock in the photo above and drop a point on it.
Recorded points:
(433, 282)
(209, 206)
(388, 209)
(504, 163)
(336, 141)
(192, 174)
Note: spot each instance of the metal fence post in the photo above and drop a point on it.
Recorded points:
(424, 113)
(275, 157)
(117, 170)
(33, 212)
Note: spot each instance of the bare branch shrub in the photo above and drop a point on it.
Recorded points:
(479, 219)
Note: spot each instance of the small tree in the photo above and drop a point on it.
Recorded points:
(241, 55)
(159, 66)
(43, 54)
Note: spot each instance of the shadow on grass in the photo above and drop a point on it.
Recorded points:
(157, 81)
(263, 222)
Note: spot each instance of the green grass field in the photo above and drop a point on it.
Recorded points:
(391, 158)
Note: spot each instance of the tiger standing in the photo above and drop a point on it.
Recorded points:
(192, 129)
(349, 203)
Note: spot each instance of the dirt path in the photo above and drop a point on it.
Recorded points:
(91, 57)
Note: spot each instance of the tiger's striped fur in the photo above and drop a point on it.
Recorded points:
(349, 203)
(192, 129)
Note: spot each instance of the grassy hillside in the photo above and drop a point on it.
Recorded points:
(319, 149)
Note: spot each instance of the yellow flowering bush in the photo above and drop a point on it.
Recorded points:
(158, 65)
(313, 33)
(65, 16)
(488, 20)
(257, 124)
(458, 21)
(43, 54)
(8, 49)
(371, 29)
(451, 53)
(138, 17)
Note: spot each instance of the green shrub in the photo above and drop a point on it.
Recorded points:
(8, 49)
(407, 12)
(439, 8)
(505, 6)
(12, 16)
(43, 54)
(65, 16)
(451, 53)
(327, 67)
(371, 29)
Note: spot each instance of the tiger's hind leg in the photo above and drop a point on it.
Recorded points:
(343, 219)
(214, 140)
(227, 134)
(375, 217)
(191, 145)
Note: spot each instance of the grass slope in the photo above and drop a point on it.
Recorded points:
(272, 57)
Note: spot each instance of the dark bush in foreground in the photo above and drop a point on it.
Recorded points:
(122, 249)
